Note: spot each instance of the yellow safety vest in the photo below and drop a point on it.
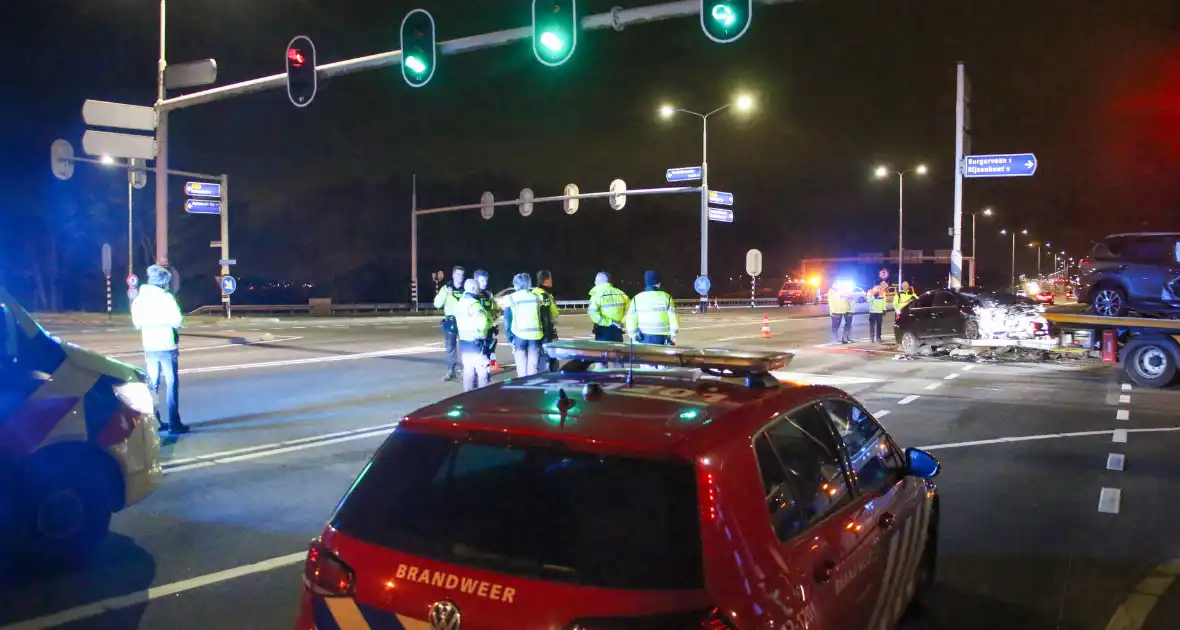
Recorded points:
(526, 315)
(837, 303)
(549, 312)
(472, 318)
(652, 313)
(448, 299)
(877, 302)
(903, 298)
(608, 305)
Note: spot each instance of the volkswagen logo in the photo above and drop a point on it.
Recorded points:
(444, 615)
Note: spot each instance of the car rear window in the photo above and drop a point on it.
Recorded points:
(792, 286)
(536, 510)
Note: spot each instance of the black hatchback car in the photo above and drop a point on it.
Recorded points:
(1132, 272)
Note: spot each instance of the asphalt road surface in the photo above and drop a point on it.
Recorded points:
(1039, 528)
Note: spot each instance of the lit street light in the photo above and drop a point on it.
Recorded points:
(744, 103)
(987, 212)
(882, 172)
(1012, 281)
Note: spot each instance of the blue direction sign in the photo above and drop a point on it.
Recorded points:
(723, 198)
(702, 285)
(1000, 165)
(202, 189)
(686, 174)
(229, 284)
(721, 214)
(202, 206)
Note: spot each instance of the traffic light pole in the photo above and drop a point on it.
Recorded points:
(161, 150)
(415, 213)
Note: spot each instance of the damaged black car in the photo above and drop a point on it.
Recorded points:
(942, 316)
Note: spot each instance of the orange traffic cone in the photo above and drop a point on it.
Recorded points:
(766, 326)
(494, 366)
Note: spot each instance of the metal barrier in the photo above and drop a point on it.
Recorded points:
(406, 308)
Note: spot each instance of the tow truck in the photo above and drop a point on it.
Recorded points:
(1147, 348)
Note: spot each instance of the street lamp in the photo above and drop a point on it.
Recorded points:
(744, 103)
(1012, 280)
(882, 172)
(987, 212)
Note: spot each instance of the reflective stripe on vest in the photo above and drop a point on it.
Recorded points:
(526, 315)
(837, 304)
(877, 303)
(609, 306)
(903, 298)
(651, 311)
(472, 319)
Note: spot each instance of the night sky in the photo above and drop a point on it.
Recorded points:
(321, 195)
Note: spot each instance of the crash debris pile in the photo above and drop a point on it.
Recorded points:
(999, 320)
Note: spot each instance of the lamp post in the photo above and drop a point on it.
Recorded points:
(1038, 244)
(1012, 280)
(742, 103)
(882, 172)
(987, 212)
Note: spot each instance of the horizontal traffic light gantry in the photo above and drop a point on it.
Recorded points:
(555, 30)
(725, 21)
(301, 80)
(419, 48)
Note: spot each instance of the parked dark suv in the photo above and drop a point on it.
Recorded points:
(1136, 272)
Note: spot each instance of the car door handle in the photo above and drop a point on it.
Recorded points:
(823, 573)
(887, 520)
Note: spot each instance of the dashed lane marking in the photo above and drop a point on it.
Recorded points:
(1115, 461)
(1126, 387)
(951, 377)
(1120, 436)
(1124, 399)
(1122, 414)
(967, 368)
(1109, 500)
(882, 413)
(908, 399)
(934, 386)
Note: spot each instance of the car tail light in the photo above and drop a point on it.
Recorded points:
(712, 619)
(782, 292)
(325, 574)
(1085, 260)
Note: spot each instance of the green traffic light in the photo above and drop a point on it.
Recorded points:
(552, 41)
(724, 14)
(415, 64)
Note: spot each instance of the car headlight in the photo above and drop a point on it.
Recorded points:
(137, 396)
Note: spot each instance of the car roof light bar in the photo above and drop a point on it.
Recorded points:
(717, 361)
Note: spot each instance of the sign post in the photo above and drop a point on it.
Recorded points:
(106, 272)
(754, 268)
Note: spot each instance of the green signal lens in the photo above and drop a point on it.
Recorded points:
(415, 64)
(552, 41)
(724, 15)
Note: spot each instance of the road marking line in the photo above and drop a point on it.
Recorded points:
(1046, 436)
(272, 445)
(112, 604)
(1109, 500)
(276, 451)
(968, 368)
(934, 386)
(1120, 436)
(329, 359)
(952, 376)
(1132, 613)
(1115, 461)
(239, 345)
(1124, 399)
(1126, 387)
(881, 414)
(908, 399)
(736, 338)
(1122, 414)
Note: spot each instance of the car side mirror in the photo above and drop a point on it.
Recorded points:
(919, 463)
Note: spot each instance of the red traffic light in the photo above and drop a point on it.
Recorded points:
(295, 57)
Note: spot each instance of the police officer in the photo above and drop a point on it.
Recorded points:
(608, 308)
(448, 299)
(473, 321)
(651, 316)
(877, 306)
(904, 296)
(840, 310)
(549, 314)
(493, 309)
(157, 316)
(522, 318)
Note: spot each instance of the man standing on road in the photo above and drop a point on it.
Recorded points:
(877, 310)
(904, 296)
(448, 300)
(157, 316)
(651, 316)
(549, 314)
(489, 303)
(473, 321)
(522, 319)
(608, 307)
(840, 310)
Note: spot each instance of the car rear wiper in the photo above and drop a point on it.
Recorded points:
(511, 563)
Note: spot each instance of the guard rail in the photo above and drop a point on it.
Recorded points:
(426, 309)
